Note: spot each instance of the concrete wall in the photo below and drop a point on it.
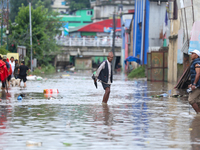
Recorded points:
(106, 11)
(89, 51)
(83, 63)
(57, 6)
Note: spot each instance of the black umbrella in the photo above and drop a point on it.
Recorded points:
(95, 83)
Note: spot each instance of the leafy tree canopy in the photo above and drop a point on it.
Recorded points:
(45, 26)
(15, 4)
(78, 4)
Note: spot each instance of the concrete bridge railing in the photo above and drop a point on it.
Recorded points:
(94, 42)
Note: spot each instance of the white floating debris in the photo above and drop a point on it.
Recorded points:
(32, 143)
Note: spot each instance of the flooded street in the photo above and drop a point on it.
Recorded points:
(76, 119)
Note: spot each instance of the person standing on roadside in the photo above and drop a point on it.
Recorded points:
(105, 74)
(194, 95)
(16, 74)
(12, 62)
(23, 73)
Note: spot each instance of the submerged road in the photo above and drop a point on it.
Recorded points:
(76, 119)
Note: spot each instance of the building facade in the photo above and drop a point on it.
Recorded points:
(79, 18)
(59, 6)
(104, 9)
(147, 26)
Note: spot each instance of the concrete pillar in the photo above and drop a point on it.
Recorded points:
(98, 42)
(70, 42)
(83, 41)
(172, 52)
(172, 60)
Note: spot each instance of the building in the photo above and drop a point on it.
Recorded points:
(60, 6)
(183, 15)
(78, 18)
(147, 25)
(103, 9)
(99, 29)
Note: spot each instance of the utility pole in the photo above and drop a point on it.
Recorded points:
(7, 31)
(113, 43)
(30, 34)
(2, 23)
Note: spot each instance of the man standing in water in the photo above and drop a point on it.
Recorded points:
(194, 95)
(23, 73)
(105, 75)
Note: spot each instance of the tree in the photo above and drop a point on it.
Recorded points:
(78, 4)
(45, 26)
(15, 4)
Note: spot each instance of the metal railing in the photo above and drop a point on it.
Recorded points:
(95, 42)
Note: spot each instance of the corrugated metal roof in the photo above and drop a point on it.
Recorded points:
(99, 26)
(76, 28)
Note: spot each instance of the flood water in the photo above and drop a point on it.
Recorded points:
(76, 119)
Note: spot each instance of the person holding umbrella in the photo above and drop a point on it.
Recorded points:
(105, 75)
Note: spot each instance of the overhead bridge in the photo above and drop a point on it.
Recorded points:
(84, 49)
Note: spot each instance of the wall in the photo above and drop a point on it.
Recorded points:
(156, 21)
(105, 11)
(81, 18)
(57, 6)
(83, 63)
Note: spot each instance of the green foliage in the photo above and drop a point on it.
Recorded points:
(26, 60)
(45, 26)
(78, 4)
(15, 4)
(137, 73)
(44, 70)
(3, 50)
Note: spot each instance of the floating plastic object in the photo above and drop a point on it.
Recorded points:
(164, 95)
(51, 91)
(31, 78)
(39, 78)
(32, 143)
(19, 98)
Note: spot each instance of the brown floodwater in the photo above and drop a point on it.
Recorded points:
(76, 119)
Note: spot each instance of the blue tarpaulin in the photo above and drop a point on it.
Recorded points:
(131, 58)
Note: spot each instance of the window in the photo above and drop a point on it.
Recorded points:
(89, 13)
(63, 3)
(87, 21)
(74, 22)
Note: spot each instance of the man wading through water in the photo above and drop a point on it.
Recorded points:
(105, 75)
(194, 96)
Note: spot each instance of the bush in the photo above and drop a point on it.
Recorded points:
(137, 73)
(44, 70)
(3, 50)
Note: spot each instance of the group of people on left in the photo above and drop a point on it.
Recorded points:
(11, 69)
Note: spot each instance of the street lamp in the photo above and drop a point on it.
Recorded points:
(7, 33)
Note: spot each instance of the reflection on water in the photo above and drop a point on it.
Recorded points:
(132, 119)
(195, 133)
